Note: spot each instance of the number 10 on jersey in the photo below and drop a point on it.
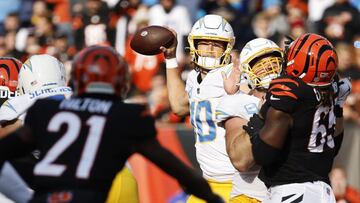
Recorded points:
(202, 117)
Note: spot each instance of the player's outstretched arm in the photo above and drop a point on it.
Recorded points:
(268, 142)
(9, 127)
(238, 145)
(178, 97)
(189, 179)
(16, 144)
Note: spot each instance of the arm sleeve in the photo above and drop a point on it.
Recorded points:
(238, 105)
(143, 125)
(15, 145)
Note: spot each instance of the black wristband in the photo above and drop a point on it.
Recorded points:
(338, 111)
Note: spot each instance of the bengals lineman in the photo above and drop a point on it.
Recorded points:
(297, 141)
(86, 139)
(211, 40)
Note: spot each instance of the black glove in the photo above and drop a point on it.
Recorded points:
(254, 126)
(342, 89)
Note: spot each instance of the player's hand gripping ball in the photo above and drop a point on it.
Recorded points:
(147, 41)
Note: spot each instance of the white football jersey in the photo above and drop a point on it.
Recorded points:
(210, 138)
(243, 106)
(16, 107)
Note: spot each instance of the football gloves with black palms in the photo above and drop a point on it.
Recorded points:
(254, 126)
(342, 89)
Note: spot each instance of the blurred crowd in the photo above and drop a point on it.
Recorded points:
(344, 193)
(63, 27)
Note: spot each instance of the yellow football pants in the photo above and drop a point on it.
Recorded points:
(222, 189)
(243, 199)
(124, 188)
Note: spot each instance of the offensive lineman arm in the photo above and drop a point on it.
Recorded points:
(17, 144)
(277, 124)
(268, 142)
(238, 145)
(189, 179)
(9, 127)
(179, 100)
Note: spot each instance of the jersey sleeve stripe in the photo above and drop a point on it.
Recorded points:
(284, 93)
(281, 87)
(282, 80)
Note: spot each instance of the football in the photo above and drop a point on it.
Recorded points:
(147, 41)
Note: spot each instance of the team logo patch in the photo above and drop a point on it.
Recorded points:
(251, 108)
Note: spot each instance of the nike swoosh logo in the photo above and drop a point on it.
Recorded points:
(274, 98)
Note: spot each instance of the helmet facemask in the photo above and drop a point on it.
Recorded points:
(260, 70)
(205, 59)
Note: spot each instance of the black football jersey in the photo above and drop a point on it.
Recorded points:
(308, 151)
(84, 141)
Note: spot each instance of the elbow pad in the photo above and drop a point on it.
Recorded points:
(338, 140)
(263, 153)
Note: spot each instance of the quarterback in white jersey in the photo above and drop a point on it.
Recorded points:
(211, 40)
(210, 138)
(261, 61)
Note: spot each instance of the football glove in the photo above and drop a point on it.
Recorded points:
(254, 126)
(342, 88)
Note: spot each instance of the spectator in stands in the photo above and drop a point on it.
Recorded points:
(346, 59)
(39, 10)
(91, 24)
(296, 19)
(169, 13)
(352, 109)
(127, 14)
(261, 28)
(7, 6)
(316, 9)
(344, 193)
(12, 23)
(62, 17)
(340, 22)
(278, 20)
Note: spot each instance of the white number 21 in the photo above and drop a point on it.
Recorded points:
(73, 122)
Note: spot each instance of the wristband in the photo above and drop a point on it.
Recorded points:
(171, 63)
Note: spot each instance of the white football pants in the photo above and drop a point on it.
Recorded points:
(13, 186)
(308, 192)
